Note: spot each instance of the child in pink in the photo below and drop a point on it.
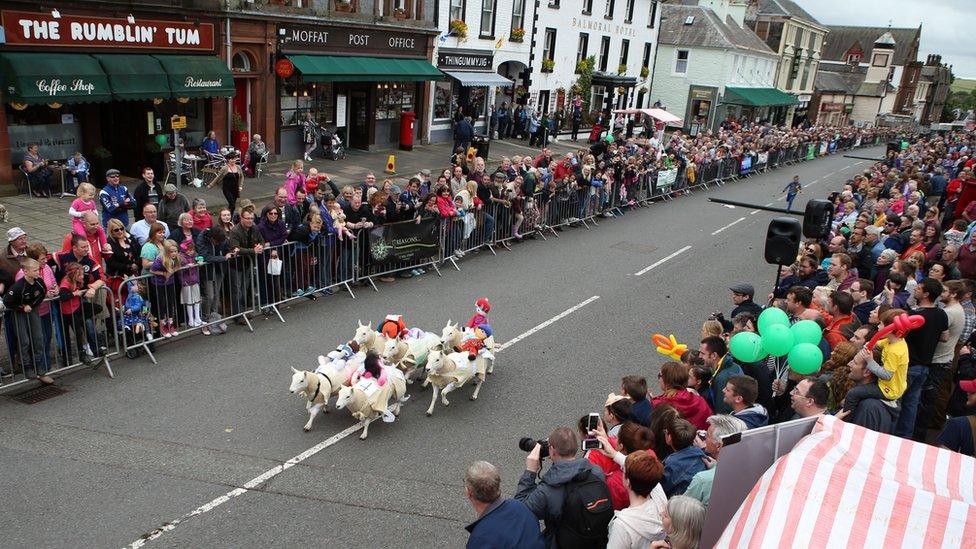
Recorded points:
(482, 308)
(85, 203)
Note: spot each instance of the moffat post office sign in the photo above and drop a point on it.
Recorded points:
(41, 29)
(349, 40)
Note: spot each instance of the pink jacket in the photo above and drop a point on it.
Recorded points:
(293, 181)
(446, 206)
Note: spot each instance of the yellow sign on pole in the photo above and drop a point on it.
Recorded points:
(178, 122)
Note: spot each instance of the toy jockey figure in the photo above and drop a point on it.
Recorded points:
(393, 326)
(481, 316)
(474, 342)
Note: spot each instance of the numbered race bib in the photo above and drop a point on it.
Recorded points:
(368, 386)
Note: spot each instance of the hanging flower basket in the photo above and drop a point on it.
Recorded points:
(548, 65)
(622, 69)
(459, 29)
(400, 13)
(517, 35)
(645, 72)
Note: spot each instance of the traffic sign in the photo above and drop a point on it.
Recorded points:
(178, 122)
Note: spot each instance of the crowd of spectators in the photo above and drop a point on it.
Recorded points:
(901, 243)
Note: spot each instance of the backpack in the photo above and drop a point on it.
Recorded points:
(586, 513)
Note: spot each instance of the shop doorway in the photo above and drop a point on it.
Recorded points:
(359, 120)
(126, 134)
(242, 99)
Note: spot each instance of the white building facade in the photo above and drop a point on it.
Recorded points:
(486, 62)
(621, 36)
(708, 64)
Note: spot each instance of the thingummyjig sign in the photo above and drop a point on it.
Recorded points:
(405, 242)
(472, 60)
(80, 31)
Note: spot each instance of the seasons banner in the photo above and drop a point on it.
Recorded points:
(405, 242)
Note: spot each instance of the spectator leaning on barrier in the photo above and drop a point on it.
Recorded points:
(502, 523)
(686, 461)
(719, 427)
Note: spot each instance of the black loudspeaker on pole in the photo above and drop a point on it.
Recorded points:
(782, 241)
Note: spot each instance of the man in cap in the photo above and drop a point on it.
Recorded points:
(171, 205)
(742, 298)
(115, 199)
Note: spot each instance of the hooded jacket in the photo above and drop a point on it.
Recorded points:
(753, 416)
(639, 526)
(545, 499)
(875, 414)
(690, 405)
(506, 524)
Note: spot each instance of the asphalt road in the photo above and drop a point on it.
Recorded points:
(154, 450)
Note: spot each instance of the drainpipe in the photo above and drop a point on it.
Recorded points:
(227, 46)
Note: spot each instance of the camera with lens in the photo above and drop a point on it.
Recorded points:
(526, 444)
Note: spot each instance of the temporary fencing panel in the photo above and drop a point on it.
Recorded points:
(396, 247)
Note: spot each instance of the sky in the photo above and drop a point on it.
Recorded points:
(946, 24)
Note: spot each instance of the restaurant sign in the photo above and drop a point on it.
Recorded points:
(77, 31)
(351, 41)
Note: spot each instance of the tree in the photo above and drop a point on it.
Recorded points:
(584, 84)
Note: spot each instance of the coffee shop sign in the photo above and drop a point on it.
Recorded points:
(56, 87)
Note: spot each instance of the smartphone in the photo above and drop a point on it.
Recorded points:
(592, 422)
(590, 444)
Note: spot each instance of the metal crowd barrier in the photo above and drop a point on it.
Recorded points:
(231, 285)
(58, 337)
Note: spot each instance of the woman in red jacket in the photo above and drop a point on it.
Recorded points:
(674, 381)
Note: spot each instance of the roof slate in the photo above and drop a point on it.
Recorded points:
(841, 38)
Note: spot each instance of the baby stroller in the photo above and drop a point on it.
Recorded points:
(331, 143)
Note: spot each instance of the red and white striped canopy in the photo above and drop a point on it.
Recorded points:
(846, 486)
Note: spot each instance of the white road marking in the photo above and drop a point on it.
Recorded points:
(546, 324)
(768, 205)
(662, 261)
(813, 182)
(754, 212)
(277, 470)
(729, 225)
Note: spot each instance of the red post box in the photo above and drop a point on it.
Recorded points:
(406, 130)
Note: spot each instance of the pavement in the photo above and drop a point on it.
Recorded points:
(46, 219)
(206, 448)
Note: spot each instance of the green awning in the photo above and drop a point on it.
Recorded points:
(40, 78)
(135, 76)
(197, 76)
(758, 97)
(330, 68)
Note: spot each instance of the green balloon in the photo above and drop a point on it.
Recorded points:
(746, 347)
(770, 317)
(162, 140)
(806, 331)
(777, 340)
(805, 359)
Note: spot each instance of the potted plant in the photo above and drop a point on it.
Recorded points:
(622, 69)
(645, 72)
(400, 13)
(344, 6)
(520, 91)
(239, 137)
(548, 65)
(101, 162)
(517, 35)
(459, 29)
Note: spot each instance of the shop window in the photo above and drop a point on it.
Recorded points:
(392, 98)
(604, 53)
(241, 62)
(298, 98)
(681, 62)
(477, 98)
(488, 18)
(598, 95)
(443, 99)
(457, 10)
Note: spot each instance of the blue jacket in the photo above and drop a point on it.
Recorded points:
(463, 131)
(726, 369)
(679, 468)
(642, 412)
(753, 416)
(113, 204)
(506, 524)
